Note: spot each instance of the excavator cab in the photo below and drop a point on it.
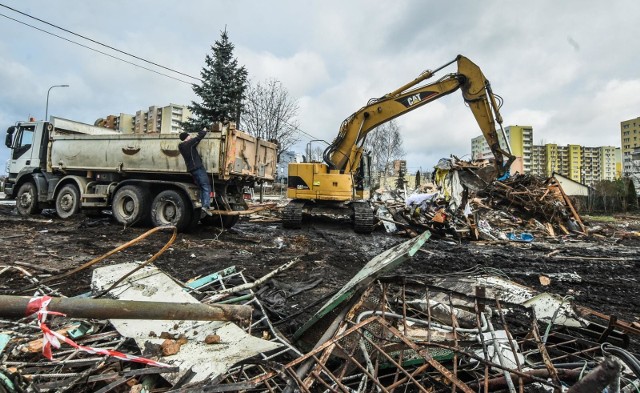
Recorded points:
(362, 178)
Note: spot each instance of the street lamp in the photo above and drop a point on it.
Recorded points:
(46, 112)
(309, 147)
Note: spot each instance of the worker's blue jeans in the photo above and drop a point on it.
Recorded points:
(201, 178)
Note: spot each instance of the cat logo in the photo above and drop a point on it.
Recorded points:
(417, 99)
(414, 99)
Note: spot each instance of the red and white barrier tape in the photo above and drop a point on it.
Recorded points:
(51, 338)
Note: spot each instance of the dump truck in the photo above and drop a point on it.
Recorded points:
(74, 167)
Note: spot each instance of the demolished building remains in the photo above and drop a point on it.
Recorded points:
(384, 330)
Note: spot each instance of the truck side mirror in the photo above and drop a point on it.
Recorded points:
(9, 138)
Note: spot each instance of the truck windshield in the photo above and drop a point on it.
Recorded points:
(23, 142)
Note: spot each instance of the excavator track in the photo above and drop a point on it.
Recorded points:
(362, 217)
(292, 214)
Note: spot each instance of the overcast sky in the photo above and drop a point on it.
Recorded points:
(570, 69)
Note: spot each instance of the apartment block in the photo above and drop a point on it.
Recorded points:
(122, 123)
(592, 169)
(164, 120)
(398, 166)
(538, 160)
(634, 174)
(575, 162)
(630, 152)
(618, 163)
(598, 163)
(520, 141)
(586, 165)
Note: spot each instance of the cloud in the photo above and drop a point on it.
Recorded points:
(594, 119)
(567, 68)
(302, 73)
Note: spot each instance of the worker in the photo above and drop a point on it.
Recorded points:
(194, 166)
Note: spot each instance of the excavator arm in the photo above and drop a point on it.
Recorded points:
(346, 150)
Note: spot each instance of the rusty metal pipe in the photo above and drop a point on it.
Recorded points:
(499, 383)
(16, 307)
(599, 378)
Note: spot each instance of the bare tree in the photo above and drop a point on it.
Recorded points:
(269, 113)
(385, 145)
(315, 154)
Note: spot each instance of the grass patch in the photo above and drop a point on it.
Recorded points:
(600, 218)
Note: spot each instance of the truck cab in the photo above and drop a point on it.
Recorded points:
(28, 144)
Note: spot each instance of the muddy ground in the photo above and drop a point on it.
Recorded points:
(600, 271)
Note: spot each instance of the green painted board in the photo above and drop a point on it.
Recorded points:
(382, 263)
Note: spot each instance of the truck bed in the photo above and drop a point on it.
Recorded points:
(227, 153)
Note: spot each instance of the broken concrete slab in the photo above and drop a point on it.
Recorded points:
(196, 357)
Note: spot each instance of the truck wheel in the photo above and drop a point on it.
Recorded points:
(27, 199)
(68, 201)
(130, 206)
(170, 207)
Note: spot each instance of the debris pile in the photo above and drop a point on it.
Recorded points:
(465, 331)
(465, 202)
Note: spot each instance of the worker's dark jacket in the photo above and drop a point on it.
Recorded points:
(189, 152)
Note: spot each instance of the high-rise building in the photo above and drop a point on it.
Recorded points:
(122, 123)
(634, 173)
(582, 164)
(585, 165)
(574, 162)
(538, 160)
(165, 120)
(520, 142)
(630, 138)
(618, 155)
(399, 166)
(598, 163)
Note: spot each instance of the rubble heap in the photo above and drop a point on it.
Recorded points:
(466, 202)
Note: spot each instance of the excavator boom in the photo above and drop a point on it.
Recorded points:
(345, 151)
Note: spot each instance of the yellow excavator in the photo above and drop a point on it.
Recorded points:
(342, 181)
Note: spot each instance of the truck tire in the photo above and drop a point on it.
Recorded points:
(68, 201)
(170, 207)
(131, 205)
(27, 199)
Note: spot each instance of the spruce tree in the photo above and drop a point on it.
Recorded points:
(222, 90)
(632, 195)
(400, 181)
